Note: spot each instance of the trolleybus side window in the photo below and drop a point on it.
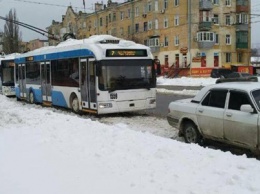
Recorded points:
(65, 72)
(33, 73)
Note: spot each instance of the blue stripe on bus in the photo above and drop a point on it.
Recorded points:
(37, 95)
(58, 55)
(17, 92)
(58, 99)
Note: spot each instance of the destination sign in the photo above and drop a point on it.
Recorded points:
(126, 53)
(29, 58)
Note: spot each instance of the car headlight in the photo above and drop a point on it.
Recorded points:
(105, 105)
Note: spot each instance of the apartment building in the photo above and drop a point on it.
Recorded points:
(189, 35)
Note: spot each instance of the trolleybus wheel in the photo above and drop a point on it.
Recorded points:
(75, 105)
(31, 97)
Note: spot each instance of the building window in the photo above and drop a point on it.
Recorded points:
(228, 2)
(217, 39)
(165, 4)
(150, 25)
(228, 57)
(165, 23)
(136, 11)
(215, 19)
(205, 36)
(114, 17)
(129, 13)
(176, 20)
(156, 5)
(216, 2)
(228, 20)
(100, 22)
(121, 31)
(153, 42)
(149, 6)
(166, 41)
(109, 17)
(176, 2)
(136, 27)
(242, 18)
(176, 40)
(228, 39)
(129, 30)
(121, 15)
(239, 57)
(166, 60)
(156, 24)
(145, 26)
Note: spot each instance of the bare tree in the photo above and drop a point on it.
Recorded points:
(11, 36)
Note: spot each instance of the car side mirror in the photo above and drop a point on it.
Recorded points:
(246, 108)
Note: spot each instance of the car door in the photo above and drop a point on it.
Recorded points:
(210, 114)
(240, 127)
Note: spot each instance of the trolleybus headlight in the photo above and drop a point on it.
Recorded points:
(152, 101)
(105, 105)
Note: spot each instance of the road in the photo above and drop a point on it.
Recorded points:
(163, 100)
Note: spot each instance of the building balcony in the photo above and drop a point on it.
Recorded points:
(242, 45)
(206, 5)
(155, 49)
(242, 6)
(206, 44)
(241, 27)
(205, 26)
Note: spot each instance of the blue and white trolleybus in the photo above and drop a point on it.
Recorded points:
(102, 74)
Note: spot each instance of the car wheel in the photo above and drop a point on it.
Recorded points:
(75, 105)
(191, 133)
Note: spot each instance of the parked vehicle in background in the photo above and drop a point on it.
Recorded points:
(238, 74)
(224, 112)
(7, 74)
(220, 72)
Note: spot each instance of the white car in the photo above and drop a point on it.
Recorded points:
(225, 112)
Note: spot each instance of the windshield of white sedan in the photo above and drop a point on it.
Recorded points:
(126, 74)
(256, 95)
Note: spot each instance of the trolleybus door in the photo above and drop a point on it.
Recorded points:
(22, 80)
(46, 81)
(88, 89)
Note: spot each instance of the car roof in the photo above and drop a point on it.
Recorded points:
(245, 86)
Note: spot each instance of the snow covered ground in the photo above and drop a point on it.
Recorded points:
(45, 150)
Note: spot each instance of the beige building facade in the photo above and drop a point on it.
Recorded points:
(181, 33)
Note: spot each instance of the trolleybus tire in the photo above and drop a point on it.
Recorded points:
(75, 104)
(31, 97)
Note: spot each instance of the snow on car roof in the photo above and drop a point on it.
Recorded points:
(245, 86)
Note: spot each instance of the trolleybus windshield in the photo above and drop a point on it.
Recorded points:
(126, 74)
(7, 73)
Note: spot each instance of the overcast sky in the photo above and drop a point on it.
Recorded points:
(40, 13)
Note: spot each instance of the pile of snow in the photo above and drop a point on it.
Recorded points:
(44, 150)
(186, 81)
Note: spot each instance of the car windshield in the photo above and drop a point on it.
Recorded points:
(126, 74)
(8, 74)
(256, 95)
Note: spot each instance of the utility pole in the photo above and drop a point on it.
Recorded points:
(189, 33)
